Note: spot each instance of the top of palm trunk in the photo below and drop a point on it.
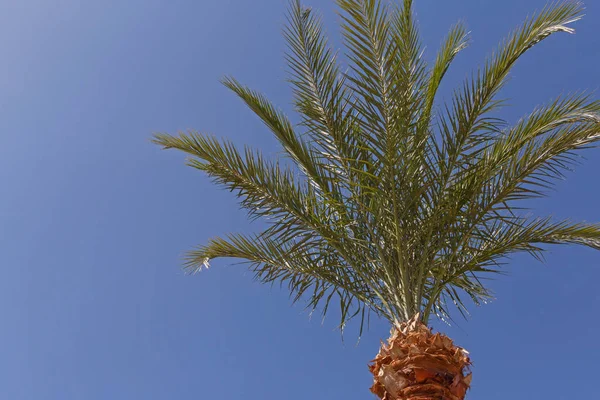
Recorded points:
(392, 203)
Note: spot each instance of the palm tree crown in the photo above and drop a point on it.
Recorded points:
(393, 203)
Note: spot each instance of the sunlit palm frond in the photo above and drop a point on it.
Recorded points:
(307, 265)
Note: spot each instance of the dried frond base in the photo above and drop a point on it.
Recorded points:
(416, 364)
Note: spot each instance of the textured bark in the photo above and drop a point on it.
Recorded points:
(416, 364)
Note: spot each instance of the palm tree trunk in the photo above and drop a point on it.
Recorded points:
(416, 364)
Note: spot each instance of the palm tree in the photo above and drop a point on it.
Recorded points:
(390, 203)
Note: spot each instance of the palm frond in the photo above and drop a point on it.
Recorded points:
(491, 243)
(299, 151)
(307, 266)
(536, 150)
(455, 42)
(466, 117)
(265, 188)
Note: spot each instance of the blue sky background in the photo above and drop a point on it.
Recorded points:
(94, 219)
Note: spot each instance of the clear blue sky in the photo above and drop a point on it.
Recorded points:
(94, 219)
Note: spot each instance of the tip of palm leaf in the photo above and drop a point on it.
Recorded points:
(193, 265)
(161, 140)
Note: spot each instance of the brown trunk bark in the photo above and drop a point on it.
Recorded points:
(416, 364)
